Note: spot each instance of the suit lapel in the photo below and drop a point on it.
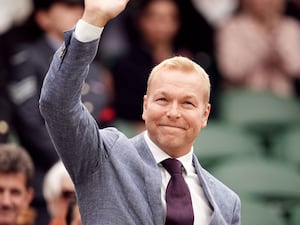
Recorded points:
(208, 189)
(153, 184)
(152, 179)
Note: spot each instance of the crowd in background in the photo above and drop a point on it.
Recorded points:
(252, 44)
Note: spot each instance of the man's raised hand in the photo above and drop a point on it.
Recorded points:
(99, 12)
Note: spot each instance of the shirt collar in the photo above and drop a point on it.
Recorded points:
(159, 155)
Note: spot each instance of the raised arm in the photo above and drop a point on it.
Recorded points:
(73, 130)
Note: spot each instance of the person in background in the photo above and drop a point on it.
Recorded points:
(58, 190)
(13, 13)
(121, 180)
(16, 190)
(13, 16)
(129, 43)
(155, 27)
(216, 12)
(259, 48)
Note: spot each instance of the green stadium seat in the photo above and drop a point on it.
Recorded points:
(220, 141)
(295, 215)
(128, 128)
(267, 179)
(287, 146)
(260, 213)
(260, 112)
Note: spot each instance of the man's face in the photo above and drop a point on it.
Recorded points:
(14, 197)
(175, 110)
(63, 16)
(59, 18)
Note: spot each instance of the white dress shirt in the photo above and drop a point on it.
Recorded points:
(201, 208)
(85, 32)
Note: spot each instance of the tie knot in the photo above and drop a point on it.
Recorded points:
(173, 166)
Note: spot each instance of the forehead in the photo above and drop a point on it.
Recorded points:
(180, 84)
(176, 78)
(161, 6)
(12, 180)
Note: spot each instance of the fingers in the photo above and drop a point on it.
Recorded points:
(99, 12)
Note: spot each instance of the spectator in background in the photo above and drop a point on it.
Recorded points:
(117, 40)
(259, 48)
(157, 30)
(58, 190)
(16, 190)
(196, 36)
(127, 49)
(13, 14)
(155, 26)
(215, 11)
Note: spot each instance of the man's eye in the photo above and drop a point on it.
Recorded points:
(16, 192)
(161, 99)
(188, 103)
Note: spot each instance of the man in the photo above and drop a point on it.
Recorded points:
(124, 181)
(16, 191)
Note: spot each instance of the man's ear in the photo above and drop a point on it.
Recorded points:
(144, 107)
(29, 195)
(206, 113)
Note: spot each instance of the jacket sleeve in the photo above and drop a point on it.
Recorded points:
(72, 129)
(236, 220)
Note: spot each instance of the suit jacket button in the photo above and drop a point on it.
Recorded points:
(62, 53)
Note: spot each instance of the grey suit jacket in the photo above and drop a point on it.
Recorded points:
(117, 179)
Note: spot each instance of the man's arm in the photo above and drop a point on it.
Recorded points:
(73, 130)
(236, 220)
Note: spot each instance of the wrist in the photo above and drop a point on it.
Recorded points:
(94, 19)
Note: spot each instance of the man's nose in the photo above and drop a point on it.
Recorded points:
(5, 198)
(174, 111)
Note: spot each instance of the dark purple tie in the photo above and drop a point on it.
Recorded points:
(178, 198)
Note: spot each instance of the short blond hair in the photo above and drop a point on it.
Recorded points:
(183, 64)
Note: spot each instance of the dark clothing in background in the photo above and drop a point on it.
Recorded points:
(130, 76)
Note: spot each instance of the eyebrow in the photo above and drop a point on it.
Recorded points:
(167, 94)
